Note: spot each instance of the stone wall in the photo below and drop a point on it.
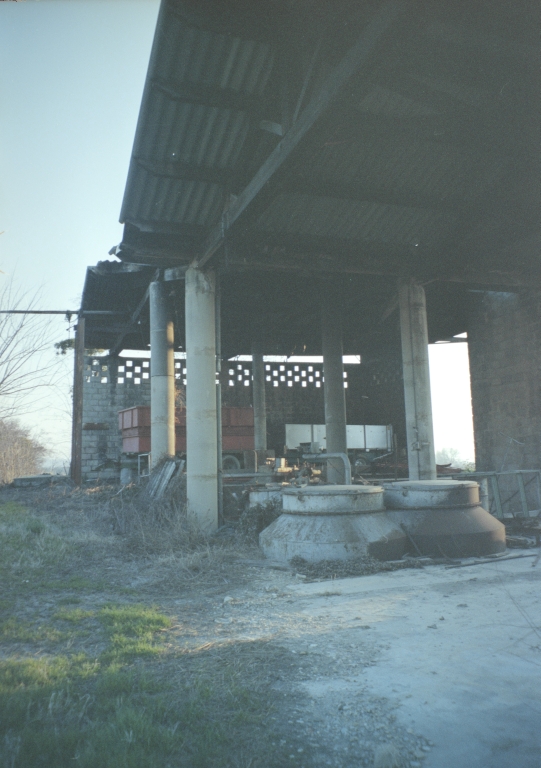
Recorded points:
(504, 336)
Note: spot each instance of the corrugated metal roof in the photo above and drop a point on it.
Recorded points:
(355, 220)
(209, 58)
(364, 173)
(178, 127)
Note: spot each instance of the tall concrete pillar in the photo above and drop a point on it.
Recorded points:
(201, 416)
(260, 408)
(162, 375)
(334, 395)
(414, 335)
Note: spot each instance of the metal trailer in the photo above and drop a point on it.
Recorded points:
(237, 432)
(364, 441)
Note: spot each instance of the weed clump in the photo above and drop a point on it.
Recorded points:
(154, 526)
(255, 519)
(340, 569)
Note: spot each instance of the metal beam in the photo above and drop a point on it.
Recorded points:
(332, 88)
(207, 96)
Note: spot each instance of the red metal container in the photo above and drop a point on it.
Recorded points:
(237, 429)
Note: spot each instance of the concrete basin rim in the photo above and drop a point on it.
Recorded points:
(334, 490)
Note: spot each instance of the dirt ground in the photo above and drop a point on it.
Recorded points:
(433, 666)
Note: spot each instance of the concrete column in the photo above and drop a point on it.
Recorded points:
(414, 335)
(335, 397)
(201, 417)
(219, 437)
(260, 408)
(162, 375)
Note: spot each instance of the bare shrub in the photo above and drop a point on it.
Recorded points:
(20, 453)
(25, 365)
(155, 526)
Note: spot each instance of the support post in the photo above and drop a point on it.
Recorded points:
(334, 395)
(414, 336)
(219, 439)
(201, 416)
(162, 375)
(77, 421)
(258, 394)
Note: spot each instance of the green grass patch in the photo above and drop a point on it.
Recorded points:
(12, 512)
(132, 630)
(14, 630)
(74, 615)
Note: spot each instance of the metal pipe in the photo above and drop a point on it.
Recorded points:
(201, 416)
(414, 336)
(316, 457)
(258, 394)
(333, 390)
(162, 375)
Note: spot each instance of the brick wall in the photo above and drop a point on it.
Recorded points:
(504, 335)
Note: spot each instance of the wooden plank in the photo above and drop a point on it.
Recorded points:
(331, 89)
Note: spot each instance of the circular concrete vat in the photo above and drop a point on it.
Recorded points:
(265, 494)
(444, 518)
(333, 522)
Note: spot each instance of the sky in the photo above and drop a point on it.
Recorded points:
(71, 79)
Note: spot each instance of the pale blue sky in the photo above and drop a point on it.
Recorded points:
(71, 80)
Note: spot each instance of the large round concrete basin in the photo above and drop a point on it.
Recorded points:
(444, 518)
(333, 522)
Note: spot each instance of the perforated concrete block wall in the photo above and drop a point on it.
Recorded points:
(110, 384)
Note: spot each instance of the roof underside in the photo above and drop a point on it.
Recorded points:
(283, 312)
(388, 139)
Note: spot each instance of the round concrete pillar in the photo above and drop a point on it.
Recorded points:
(259, 401)
(334, 395)
(201, 415)
(414, 337)
(162, 375)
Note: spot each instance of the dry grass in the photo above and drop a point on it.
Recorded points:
(93, 671)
